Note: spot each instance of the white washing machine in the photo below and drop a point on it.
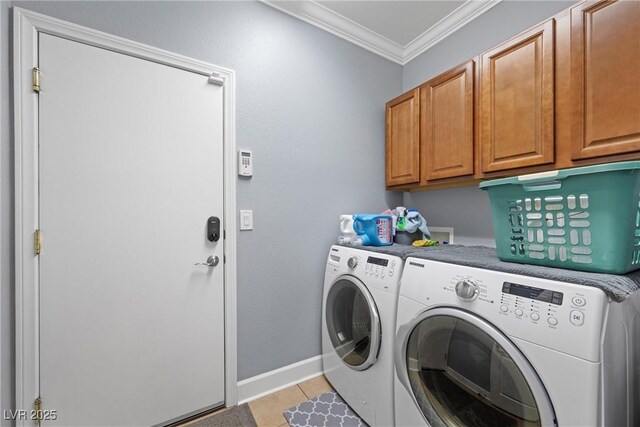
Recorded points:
(358, 329)
(483, 348)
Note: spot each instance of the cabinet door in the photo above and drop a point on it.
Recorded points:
(446, 105)
(403, 139)
(516, 104)
(605, 78)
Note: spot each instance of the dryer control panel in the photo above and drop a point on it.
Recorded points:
(558, 315)
(380, 267)
(376, 270)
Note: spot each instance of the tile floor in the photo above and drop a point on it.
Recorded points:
(267, 411)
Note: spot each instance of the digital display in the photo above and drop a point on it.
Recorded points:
(378, 261)
(538, 294)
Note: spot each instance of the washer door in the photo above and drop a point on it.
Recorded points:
(461, 371)
(353, 322)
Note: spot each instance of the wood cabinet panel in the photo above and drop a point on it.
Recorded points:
(605, 78)
(565, 93)
(447, 131)
(402, 150)
(516, 101)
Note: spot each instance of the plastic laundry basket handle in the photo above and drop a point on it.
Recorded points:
(542, 186)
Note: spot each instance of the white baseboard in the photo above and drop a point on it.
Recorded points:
(278, 379)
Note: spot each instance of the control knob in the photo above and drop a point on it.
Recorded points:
(467, 290)
(352, 262)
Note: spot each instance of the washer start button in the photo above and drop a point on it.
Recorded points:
(577, 317)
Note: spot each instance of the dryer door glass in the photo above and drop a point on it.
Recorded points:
(464, 374)
(353, 323)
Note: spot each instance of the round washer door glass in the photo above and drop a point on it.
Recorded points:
(353, 323)
(461, 375)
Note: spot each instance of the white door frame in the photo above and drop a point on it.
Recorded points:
(26, 26)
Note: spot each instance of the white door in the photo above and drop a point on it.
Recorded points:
(130, 169)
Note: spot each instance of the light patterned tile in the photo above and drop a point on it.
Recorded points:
(268, 410)
(315, 386)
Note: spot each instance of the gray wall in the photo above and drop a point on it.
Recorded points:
(467, 209)
(311, 107)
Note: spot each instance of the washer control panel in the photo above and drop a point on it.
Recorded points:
(558, 315)
(539, 304)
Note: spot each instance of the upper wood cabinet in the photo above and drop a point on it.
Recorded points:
(402, 151)
(562, 94)
(446, 114)
(605, 79)
(516, 101)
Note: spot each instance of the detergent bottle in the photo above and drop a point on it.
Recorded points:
(374, 229)
(348, 235)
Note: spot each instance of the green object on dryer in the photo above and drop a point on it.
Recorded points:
(585, 218)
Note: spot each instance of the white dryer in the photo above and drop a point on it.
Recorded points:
(485, 348)
(358, 329)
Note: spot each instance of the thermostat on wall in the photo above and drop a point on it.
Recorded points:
(245, 163)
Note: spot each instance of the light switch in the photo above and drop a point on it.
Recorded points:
(246, 220)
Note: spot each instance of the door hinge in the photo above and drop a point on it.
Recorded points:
(224, 234)
(37, 407)
(35, 77)
(37, 242)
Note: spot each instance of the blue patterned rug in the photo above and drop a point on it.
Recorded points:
(326, 410)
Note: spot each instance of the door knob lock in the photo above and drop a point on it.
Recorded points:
(213, 229)
(212, 261)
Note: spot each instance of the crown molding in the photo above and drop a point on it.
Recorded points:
(466, 13)
(334, 23)
(328, 20)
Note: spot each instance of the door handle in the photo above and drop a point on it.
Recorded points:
(212, 261)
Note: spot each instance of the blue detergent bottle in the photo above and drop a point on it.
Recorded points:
(374, 229)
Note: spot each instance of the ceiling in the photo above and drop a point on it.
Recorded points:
(398, 30)
(399, 21)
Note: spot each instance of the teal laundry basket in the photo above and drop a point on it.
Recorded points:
(585, 218)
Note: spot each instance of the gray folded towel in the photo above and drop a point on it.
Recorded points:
(618, 287)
